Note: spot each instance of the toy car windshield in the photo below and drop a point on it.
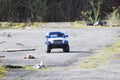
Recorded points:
(56, 34)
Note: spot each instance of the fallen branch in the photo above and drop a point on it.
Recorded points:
(13, 67)
(16, 50)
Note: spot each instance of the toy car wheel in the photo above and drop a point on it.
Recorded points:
(66, 48)
(48, 49)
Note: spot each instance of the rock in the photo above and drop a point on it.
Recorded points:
(2, 56)
(29, 57)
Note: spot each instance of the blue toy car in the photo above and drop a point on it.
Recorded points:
(57, 40)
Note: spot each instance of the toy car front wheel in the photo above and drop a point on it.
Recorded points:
(66, 48)
(48, 49)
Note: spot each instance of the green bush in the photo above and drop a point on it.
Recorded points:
(93, 14)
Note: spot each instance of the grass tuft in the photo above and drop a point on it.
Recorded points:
(79, 24)
(42, 69)
(3, 71)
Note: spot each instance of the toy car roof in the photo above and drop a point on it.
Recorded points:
(56, 32)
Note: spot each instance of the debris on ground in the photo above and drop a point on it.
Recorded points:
(19, 44)
(13, 67)
(2, 56)
(2, 42)
(97, 23)
(100, 23)
(89, 24)
(5, 34)
(29, 57)
(39, 66)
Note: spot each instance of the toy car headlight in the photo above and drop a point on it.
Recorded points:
(51, 41)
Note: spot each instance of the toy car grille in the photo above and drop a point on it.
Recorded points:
(57, 41)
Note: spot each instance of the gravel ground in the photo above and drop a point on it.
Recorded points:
(83, 42)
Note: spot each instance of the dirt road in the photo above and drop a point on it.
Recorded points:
(83, 42)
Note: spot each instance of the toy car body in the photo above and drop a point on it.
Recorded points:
(57, 40)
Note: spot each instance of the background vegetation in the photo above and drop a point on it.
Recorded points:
(54, 10)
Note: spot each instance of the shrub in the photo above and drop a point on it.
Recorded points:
(114, 18)
(93, 14)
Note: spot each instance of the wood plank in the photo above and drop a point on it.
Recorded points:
(16, 50)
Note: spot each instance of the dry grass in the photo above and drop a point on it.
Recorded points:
(101, 58)
(9, 25)
(3, 71)
(79, 24)
(114, 18)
